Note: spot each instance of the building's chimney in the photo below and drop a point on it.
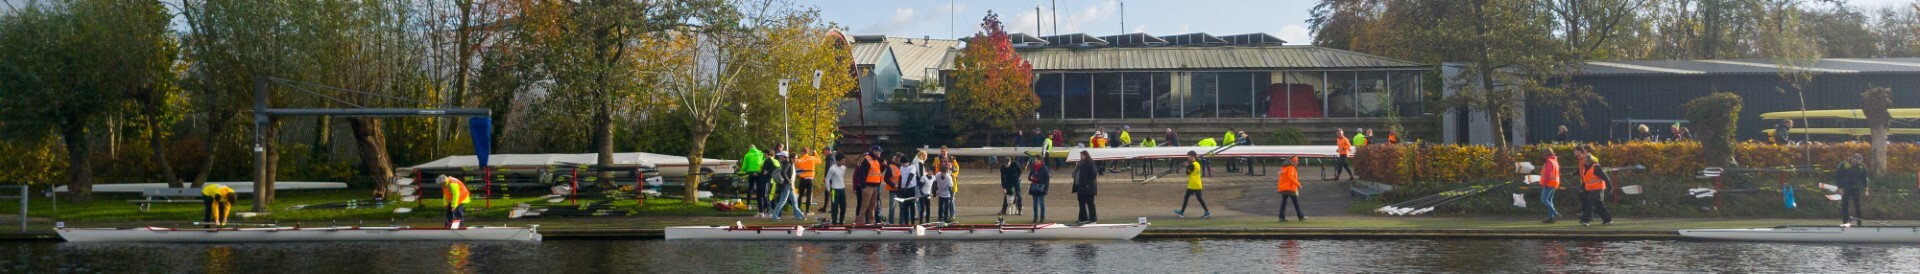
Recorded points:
(926, 39)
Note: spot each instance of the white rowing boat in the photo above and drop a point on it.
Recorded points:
(297, 234)
(908, 232)
(1127, 153)
(1835, 234)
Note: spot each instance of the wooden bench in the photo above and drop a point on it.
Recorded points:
(166, 195)
(1367, 190)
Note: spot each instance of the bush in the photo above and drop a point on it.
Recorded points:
(1399, 164)
(1284, 136)
(1715, 118)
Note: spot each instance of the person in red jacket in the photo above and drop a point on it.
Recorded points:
(1289, 187)
(1549, 182)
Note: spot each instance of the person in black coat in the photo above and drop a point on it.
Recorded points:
(1038, 176)
(1084, 187)
(1852, 177)
(1010, 182)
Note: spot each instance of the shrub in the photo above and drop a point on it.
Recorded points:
(1398, 164)
(1284, 136)
(1715, 118)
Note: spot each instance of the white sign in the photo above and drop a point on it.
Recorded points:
(816, 78)
(783, 87)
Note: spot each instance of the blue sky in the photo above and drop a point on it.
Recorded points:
(915, 18)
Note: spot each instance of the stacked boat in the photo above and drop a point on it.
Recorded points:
(298, 234)
(1045, 231)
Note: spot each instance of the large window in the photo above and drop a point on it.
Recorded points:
(1079, 99)
(1203, 95)
(1107, 95)
(1375, 98)
(1049, 88)
(1406, 93)
(1166, 103)
(1236, 94)
(1342, 99)
(1305, 95)
(1135, 99)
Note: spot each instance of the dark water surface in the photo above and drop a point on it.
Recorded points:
(1139, 256)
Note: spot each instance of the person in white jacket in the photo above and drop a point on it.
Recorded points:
(943, 188)
(836, 188)
(909, 190)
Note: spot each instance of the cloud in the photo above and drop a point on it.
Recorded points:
(902, 19)
(1024, 22)
(1185, 28)
(1141, 28)
(1084, 19)
(1295, 34)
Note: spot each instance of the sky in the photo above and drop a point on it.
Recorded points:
(1286, 19)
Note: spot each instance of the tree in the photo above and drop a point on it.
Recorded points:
(1783, 39)
(1586, 26)
(1716, 118)
(992, 85)
(1874, 104)
(1507, 49)
(1337, 23)
(67, 63)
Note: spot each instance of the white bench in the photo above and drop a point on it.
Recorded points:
(166, 195)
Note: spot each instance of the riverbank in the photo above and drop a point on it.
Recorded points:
(1241, 227)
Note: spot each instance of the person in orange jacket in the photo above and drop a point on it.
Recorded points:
(1289, 187)
(1549, 182)
(1595, 181)
(1344, 148)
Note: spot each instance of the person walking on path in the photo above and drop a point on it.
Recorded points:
(1010, 184)
(836, 188)
(872, 179)
(1852, 177)
(1193, 187)
(1594, 180)
(785, 197)
(1549, 182)
(1343, 148)
(1289, 188)
(1037, 186)
(1085, 178)
(807, 166)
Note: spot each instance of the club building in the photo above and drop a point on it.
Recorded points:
(1196, 84)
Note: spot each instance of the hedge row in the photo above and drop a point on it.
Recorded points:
(1397, 164)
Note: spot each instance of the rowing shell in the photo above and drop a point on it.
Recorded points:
(297, 234)
(1834, 234)
(900, 232)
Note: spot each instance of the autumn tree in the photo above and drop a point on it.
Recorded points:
(992, 85)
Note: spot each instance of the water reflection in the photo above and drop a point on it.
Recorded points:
(1140, 256)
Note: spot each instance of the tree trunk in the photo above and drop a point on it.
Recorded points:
(695, 153)
(373, 151)
(603, 134)
(1880, 149)
(264, 194)
(159, 147)
(79, 167)
(211, 146)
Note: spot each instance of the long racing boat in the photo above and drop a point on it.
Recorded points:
(1828, 234)
(297, 234)
(1047, 231)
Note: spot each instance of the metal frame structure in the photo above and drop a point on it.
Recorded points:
(262, 113)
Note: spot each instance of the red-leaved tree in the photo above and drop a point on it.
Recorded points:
(992, 86)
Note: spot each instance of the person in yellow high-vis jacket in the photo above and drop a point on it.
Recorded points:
(219, 203)
(456, 195)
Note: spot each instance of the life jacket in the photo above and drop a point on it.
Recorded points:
(219, 192)
(1550, 173)
(1393, 138)
(454, 192)
(874, 176)
(1193, 175)
(893, 177)
(805, 165)
(1591, 178)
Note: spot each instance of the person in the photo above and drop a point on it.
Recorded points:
(1059, 139)
(1149, 143)
(1852, 177)
(1289, 188)
(1393, 137)
(781, 165)
(1373, 138)
(1784, 131)
(806, 165)
(943, 188)
(1037, 138)
(908, 188)
(219, 200)
(1172, 139)
(1342, 148)
(1359, 137)
(873, 178)
(1206, 166)
(1085, 177)
(1228, 138)
(836, 188)
(1644, 133)
(1678, 134)
(1549, 182)
(1193, 187)
(1240, 139)
(750, 167)
(1594, 180)
(1563, 136)
(455, 194)
(1019, 138)
(1126, 139)
(1010, 184)
(924, 190)
(1037, 187)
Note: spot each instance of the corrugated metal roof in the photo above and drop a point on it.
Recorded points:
(1747, 67)
(914, 55)
(1223, 57)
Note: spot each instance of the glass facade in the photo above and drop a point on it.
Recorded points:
(1228, 94)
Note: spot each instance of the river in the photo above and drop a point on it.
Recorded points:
(1138, 256)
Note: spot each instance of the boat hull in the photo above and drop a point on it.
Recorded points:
(290, 234)
(894, 233)
(1830, 234)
